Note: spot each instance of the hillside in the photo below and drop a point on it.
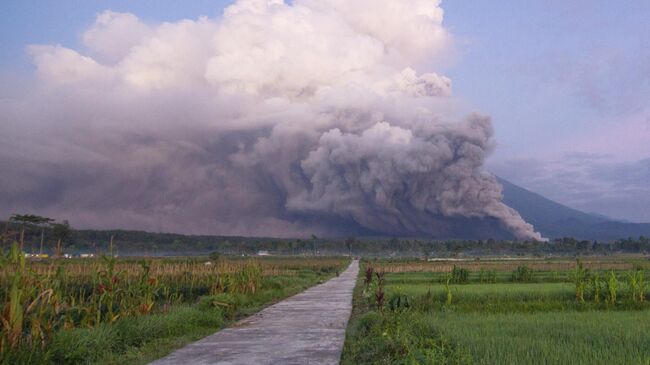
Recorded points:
(556, 220)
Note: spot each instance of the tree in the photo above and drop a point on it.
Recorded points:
(314, 238)
(426, 250)
(43, 222)
(7, 234)
(30, 220)
(294, 245)
(348, 244)
(61, 232)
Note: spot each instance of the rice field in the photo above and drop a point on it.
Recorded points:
(568, 314)
(564, 337)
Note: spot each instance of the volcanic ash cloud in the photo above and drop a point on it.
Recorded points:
(274, 119)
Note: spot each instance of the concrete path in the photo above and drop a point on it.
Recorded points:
(308, 328)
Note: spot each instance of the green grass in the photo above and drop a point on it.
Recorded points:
(403, 338)
(376, 338)
(476, 277)
(487, 292)
(106, 343)
(496, 323)
(280, 287)
(500, 297)
(596, 337)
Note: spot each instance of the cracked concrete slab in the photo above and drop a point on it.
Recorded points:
(308, 328)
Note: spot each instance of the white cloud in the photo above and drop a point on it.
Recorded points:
(59, 65)
(114, 34)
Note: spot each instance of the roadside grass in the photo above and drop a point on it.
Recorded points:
(107, 343)
(378, 337)
(403, 338)
(208, 318)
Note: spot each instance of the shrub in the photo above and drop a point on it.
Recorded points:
(214, 256)
(83, 345)
(227, 303)
(398, 338)
(399, 302)
(523, 274)
(459, 275)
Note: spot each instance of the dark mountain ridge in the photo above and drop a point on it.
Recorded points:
(555, 220)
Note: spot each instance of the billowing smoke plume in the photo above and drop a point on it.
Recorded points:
(318, 116)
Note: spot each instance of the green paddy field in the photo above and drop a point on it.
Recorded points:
(466, 316)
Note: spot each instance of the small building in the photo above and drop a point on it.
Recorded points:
(36, 255)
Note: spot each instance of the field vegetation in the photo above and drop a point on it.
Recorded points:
(110, 310)
(510, 312)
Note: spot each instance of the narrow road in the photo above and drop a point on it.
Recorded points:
(308, 328)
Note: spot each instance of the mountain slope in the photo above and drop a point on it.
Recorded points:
(556, 220)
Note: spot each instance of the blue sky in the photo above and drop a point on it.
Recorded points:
(567, 83)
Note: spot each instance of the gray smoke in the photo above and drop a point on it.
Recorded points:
(275, 119)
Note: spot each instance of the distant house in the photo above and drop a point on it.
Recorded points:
(36, 255)
(263, 253)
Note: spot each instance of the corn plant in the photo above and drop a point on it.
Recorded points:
(643, 285)
(459, 275)
(612, 287)
(448, 290)
(596, 284)
(399, 302)
(522, 274)
(368, 279)
(39, 298)
(249, 278)
(13, 314)
(379, 292)
(147, 288)
(580, 277)
(637, 286)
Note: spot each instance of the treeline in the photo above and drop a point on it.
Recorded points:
(147, 243)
